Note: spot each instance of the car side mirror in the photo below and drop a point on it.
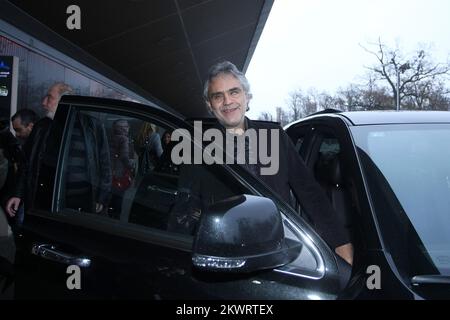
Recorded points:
(242, 234)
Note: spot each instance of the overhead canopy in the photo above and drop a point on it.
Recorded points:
(164, 47)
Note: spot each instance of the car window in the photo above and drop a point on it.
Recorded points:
(117, 167)
(326, 161)
(334, 176)
(299, 143)
(408, 172)
(330, 146)
(300, 136)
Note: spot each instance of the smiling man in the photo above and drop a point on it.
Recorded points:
(227, 96)
(228, 100)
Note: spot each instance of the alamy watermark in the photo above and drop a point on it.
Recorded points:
(229, 150)
(374, 280)
(73, 22)
(74, 280)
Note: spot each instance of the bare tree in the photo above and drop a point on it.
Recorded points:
(327, 101)
(407, 75)
(294, 104)
(282, 117)
(301, 104)
(428, 95)
(265, 116)
(350, 98)
(421, 83)
(373, 96)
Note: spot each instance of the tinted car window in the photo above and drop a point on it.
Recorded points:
(299, 143)
(116, 166)
(408, 173)
(108, 159)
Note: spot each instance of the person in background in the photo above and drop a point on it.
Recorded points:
(34, 148)
(10, 154)
(149, 148)
(121, 164)
(165, 140)
(165, 163)
(23, 122)
(88, 185)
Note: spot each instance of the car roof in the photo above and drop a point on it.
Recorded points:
(386, 117)
(132, 105)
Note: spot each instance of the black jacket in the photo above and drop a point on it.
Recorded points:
(33, 150)
(292, 174)
(97, 151)
(13, 153)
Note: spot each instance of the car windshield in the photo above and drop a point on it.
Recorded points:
(407, 169)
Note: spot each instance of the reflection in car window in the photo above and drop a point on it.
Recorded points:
(86, 176)
(299, 143)
(119, 167)
(330, 146)
(409, 166)
(331, 173)
(199, 187)
(113, 163)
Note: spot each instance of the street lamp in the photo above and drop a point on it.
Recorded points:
(399, 70)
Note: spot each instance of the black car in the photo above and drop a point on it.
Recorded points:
(387, 175)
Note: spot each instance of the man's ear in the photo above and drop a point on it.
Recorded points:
(30, 125)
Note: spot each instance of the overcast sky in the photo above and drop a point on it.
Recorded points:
(316, 43)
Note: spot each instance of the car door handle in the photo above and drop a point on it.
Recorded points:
(48, 251)
(162, 189)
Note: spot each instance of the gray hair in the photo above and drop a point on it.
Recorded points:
(63, 88)
(228, 68)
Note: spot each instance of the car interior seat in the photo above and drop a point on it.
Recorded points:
(153, 199)
(329, 174)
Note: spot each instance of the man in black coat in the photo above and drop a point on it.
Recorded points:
(92, 155)
(10, 155)
(227, 94)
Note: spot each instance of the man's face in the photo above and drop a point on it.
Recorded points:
(227, 100)
(22, 132)
(167, 137)
(51, 100)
